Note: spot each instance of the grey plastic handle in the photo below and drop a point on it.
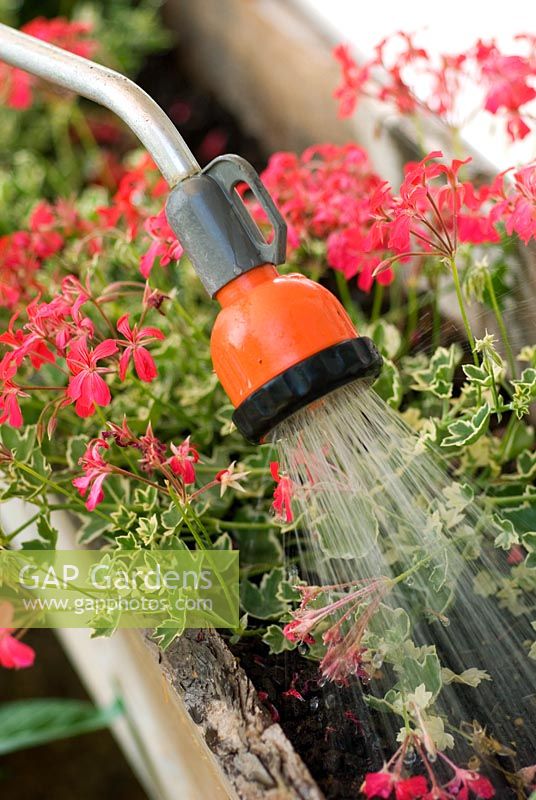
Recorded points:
(230, 170)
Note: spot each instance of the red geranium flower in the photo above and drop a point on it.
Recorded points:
(183, 459)
(135, 349)
(87, 388)
(96, 469)
(283, 493)
(14, 654)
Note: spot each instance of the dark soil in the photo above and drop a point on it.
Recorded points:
(330, 727)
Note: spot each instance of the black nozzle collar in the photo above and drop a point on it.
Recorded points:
(304, 382)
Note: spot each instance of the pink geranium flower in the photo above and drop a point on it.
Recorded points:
(466, 781)
(283, 493)
(164, 245)
(96, 469)
(135, 349)
(10, 392)
(381, 784)
(86, 386)
(14, 654)
(378, 784)
(183, 459)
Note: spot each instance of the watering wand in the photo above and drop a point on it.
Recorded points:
(279, 342)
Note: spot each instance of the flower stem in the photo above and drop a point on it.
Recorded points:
(240, 525)
(24, 525)
(502, 327)
(58, 488)
(346, 297)
(436, 317)
(513, 499)
(404, 575)
(377, 302)
(507, 438)
(413, 312)
(467, 326)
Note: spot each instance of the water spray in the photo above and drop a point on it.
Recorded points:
(279, 342)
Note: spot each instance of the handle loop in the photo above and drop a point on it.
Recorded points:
(230, 170)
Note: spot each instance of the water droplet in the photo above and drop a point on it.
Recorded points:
(377, 661)
(410, 757)
(314, 702)
(302, 649)
(292, 573)
(322, 682)
(432, 757)
(330, 700)
(410, 580)
(445, 621)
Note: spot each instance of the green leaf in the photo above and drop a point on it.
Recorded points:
(526, 464)
(465, 432)
(145, 498)
(258, 548)
(477, 375)
(413, 672)
(391, 625)
(388, 385)
(484, 584)
(167, 632)
(20, 441)
(171, 518)
(470, 677)
(384, 704)
(76, 447)
(223, 542)
(437, 377)
(92, 528)
(147, 529)
(128, 542)
(524, 392)
(276, 640)
(124, 518)
(386, 337)
(46, 531)
(264, 601)
(507, 536)
(26, 723)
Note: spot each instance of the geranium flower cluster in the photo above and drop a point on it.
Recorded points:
(61, 333)
(330, 193)
(176, 464)
(18, 87)
(348, 616)
(435, 211)
(413, 80)
(54, 228)
(392, 782)
(325, 194)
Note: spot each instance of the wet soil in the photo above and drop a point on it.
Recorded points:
(329, 727)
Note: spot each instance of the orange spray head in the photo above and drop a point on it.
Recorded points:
(280, 341)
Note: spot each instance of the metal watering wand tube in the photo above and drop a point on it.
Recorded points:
(203, 209)
(280, 342)
(108, 88)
